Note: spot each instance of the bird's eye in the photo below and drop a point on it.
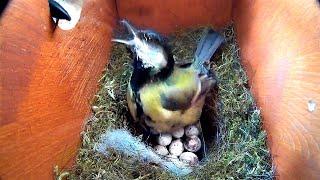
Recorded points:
(147, 37)
(151, 35)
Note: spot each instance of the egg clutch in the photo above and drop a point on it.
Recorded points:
(166, 98)
(183, 144)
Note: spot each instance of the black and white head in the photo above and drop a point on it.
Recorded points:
(147, 47)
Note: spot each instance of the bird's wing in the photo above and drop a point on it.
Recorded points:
(180, 91)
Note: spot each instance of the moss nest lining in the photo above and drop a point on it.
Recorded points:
(238, 144)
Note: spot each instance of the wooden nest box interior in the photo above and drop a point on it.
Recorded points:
(48, 76)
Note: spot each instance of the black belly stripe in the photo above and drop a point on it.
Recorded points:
(138, 104)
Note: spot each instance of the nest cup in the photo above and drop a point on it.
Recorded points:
(215, 118)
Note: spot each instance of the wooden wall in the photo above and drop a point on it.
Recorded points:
(167, 16)
(280, 48)
(47, 82)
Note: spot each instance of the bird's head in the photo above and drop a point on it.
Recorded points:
(147, 48)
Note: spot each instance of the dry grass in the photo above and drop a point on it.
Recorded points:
(239, 150)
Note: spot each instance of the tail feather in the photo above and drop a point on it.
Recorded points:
(207, 46)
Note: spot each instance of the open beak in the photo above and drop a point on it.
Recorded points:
(132, 30)
(129, 27)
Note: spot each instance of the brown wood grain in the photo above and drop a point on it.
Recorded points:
(167, 15)
(280, 48)
(47, 83)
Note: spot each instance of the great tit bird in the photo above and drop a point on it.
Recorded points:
(163, 96)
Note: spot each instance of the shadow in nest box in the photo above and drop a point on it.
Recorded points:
(208, 122)
(3, 5)
(209, 116)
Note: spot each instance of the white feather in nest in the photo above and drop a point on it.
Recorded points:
(124, 142)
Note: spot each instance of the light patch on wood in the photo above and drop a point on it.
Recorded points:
(73, 7)
(312, 105)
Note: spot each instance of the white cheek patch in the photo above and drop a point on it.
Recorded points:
(157, 58)
(151, 57)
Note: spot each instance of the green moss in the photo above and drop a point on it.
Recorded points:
(240, 150)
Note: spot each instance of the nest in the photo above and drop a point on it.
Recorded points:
(237, 143)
